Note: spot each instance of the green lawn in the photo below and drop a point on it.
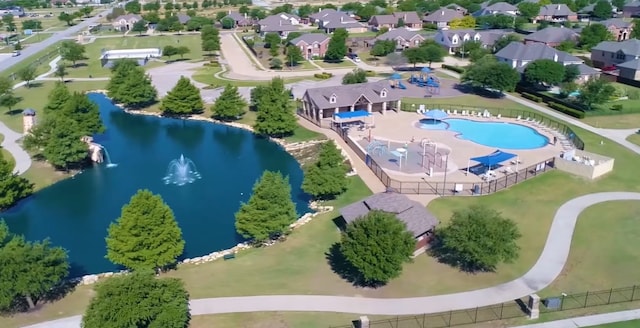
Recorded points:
(41, 67)
(623, 324)
(635, 138)
(496, 105)
(6, 155)
(343, 64)
(38, 37)
(207, 75)
(93, 67)
(624, 121)
(36, 98)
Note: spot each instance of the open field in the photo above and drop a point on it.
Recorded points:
(41, 67)
(635, 138)
(343, 64)
(93, 67)
(470, 100)
(625, 121)
(207, 75)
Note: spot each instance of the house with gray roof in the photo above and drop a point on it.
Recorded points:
(410, 20)
(620, 29)
(498, 8)
(183, 18)
(338, 19)
(452, 40)
(519, 55)
(442, 17)
(556, 13)
(312, 44)
(631, 9)
(610, 53)
(281, 23)
(319, 105)
(125, 23)
(458, 7)
(552, 36)
(630, 70)
(239, 20)
(415, 216)
(403, 38)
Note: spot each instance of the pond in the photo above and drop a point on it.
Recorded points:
(76, 212)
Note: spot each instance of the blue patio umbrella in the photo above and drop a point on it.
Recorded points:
(436, 114)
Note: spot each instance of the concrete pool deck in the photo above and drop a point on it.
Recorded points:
(400, 128)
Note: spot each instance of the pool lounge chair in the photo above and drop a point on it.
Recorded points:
(499, 116)
(455, 112)
(518, 118)
(449, 111)
(473, 113)
(479, 114)
(528, 119)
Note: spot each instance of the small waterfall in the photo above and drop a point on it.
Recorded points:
(106, 155)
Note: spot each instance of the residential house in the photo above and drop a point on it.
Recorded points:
(556, 13)
(620, 29)
(498, 8)
(239, 20)
(442, 17)
(317, 17)
(312, 44)
(403, 37)
(280, 23)
(409, 18)
(319, 105)
(610, 53)
(15, 11)
(458, 7)
(518, 55)
(552, 36)
(333, 20)
(415, 216)
(182, 18)
(630, 70)
(453, 40)
(631, 9)
(125, 23)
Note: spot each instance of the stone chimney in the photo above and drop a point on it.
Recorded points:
(28, 120)
(442, 13)
(341, 19)
(558, 7)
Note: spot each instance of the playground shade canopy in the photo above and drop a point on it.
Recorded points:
(435, 114)
(425, 70)
(352, 115)
(494, 158)
(395, 76)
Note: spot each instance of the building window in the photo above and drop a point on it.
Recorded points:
(333, 99)
(603, 54)
(454, 40)
(620, 56)
(383, 93)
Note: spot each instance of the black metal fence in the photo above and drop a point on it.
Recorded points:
(509, 310)
(40, 60)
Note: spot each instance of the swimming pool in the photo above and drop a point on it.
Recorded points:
(491, 134)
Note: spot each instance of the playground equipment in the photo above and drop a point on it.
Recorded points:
(377, 147)
(396, 82)
(425, 79)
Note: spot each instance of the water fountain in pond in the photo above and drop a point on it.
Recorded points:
(181, 171)
(108, 158)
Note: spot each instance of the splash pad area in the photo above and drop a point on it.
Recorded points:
(417, 157)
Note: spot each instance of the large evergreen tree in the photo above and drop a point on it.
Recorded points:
(138, 300)
(84, 112)
(119, 74)
(63, 146)
(28, 270)
(230, 105)
(57, 99)
(130, 85)
(377, 245)
(183, 99)
(544, 71)
(146, 235)
(337, 48)
(326, 177)
(12, 186)
(487, 72)
(276, 116)
(269, 211)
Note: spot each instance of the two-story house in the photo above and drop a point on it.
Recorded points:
(330, 21)
(453, 40)
(620, 29)
(612, 53)
(556, 13)
(403, 38)
(125, 22)
(552, 36)
(442, 17)
(312, 44)
(409, 20)
(281, 23)
(631, 9)
(518, 55)
(498, 8)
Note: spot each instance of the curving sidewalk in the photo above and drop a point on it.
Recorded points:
(544, 272)
(23, 160)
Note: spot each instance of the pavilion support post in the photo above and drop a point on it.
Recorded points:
(352, 108)
(384, 108)
(369, 108)
(337, 110)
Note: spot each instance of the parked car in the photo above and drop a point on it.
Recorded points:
(609, 68)
(16, 53)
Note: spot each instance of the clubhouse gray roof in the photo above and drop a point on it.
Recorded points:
(617, 22)
(413, 214)
(443, 15)
(553, 34)
(310, 38)
(534, 51)
(403, 33)
(555, 10)
(348, 95)
(628, 47)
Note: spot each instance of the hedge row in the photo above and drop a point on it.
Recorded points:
(531, 97)
(453, 68)
(567, 110)
(323, 75)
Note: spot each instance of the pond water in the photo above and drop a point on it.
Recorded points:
(76, 212)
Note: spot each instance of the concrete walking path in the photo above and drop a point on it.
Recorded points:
(589, 321)
(544, 272)
(10, 143)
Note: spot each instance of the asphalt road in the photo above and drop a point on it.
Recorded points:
(57, 36)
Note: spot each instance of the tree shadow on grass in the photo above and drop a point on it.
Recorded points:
(454, 259)
(342, 267)
(13, 112)
(469, 89)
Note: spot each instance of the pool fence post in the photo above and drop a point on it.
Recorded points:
(446, 168)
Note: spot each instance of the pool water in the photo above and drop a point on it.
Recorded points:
(491, 134)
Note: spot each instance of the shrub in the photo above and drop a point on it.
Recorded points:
(531, 97)
(567, 110)
(617, 107)
(633, 94)
(323, 75)
(453, 68)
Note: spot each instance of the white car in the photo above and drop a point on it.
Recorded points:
(356, 59)
(16, 53)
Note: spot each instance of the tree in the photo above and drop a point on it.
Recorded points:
(602, 9)
(138, 300)
(269, 211)
(477, 239)
(415, 55)
(8, 99)
(57, 99)
(566, 45)
(133, 7)
(137, 90)
(462, 23)
(139, 26)
(635, 33)
(294, 56)
(12, 186)
(119, 74)
(229, 105)
(377, 245)
(619, 4)
(276, 116)
(67, 18)
(327, 176)
(61, 71)
(86, 11)
(383, 48)
(169, 51)
(595, 92)
(337, 48)
(32, 24)
(27, 74)
(84, 112)
(183, 99)
(228, 23)
(488, 73)
(146, 235)
(210, 37)
(275, 63)
(72, 51)
(545, 72)
(432, 53)
(182, 50)
(529, 10)
(593, 34)
(28, 270)
(571, 73)
(17, 46)
(358, 75)
(7, 20)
